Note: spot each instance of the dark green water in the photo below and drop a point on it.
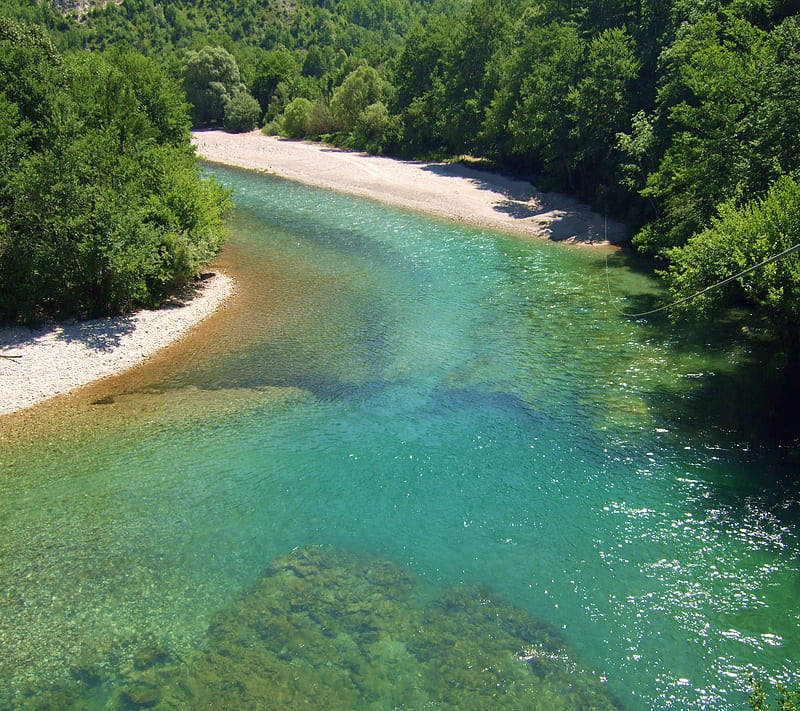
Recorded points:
(463, 403)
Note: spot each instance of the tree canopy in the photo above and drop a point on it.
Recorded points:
(668, 114)
(105, 209)
(216, 92)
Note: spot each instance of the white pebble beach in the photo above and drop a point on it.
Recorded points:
(40, 363)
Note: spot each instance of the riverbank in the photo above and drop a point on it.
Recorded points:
(450, 190)
(38, 364)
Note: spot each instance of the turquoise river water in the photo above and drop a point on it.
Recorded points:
(465, 407)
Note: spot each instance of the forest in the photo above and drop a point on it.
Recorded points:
(679, 117)
(102, 205)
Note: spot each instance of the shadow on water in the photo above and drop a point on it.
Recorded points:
(449, 401)
(754, 404)
(334, 630)
(752, 395)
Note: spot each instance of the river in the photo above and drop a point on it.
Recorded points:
(467, 407)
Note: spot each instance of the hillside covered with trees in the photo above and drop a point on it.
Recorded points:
(680, 117)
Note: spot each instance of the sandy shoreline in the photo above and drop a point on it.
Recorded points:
(41, 363)
(452, 191)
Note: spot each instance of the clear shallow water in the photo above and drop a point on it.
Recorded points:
(464, 403)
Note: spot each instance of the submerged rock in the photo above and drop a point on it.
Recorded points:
(141, 695)
(146, 657)
(323, 628)
(336, 631)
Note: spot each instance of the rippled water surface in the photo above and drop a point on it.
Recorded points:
(464, 404)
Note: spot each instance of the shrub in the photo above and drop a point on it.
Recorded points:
(242, 113)
(295, 118)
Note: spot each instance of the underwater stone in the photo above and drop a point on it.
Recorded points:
(149, 656)
(141, 695)
(328, 629)
(86, 671)
(333, 630)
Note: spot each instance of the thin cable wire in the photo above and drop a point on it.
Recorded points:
(745, 272)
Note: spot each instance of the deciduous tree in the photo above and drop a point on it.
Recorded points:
(211, 80)
(104, 208)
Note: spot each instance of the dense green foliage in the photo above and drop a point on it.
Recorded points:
(739, 237)
(101, 203)
(674, 115)
(216, 92)
(678, 116)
